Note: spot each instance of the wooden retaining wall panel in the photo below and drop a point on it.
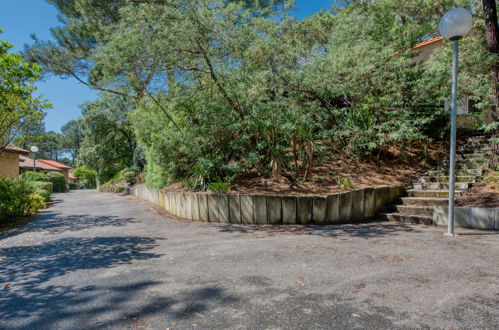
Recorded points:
(369, 210)
(204, 214)
(195, 207)
(247, 209)
(345, 207)
(333, 208)
(234, 208)
(213, 208)
(161, 200)
(288, 204)
(187, 206)
(319, 212)
(381, 198)
(357, 205)
(223, 208)
(260, 206)
(274, 210)
(170, 202)
(304, 209)
(180, 210)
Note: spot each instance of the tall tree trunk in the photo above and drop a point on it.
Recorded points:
(492, 28)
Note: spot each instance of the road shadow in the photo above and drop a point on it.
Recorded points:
(29, 299)
(56, 223)
(361, 230)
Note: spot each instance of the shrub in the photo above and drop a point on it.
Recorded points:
(87, 175)
(73, 186)
(18, 198)
(219, 186)
(58, 180)
(111, 188)
(47, 186)
(34, 176)
(36, 202)
(44, 194)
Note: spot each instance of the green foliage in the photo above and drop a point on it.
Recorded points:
(218, 186)
(18, 198)
(58, 181)
(111, 188)
(18, 106)
(44, 194)
(216, 89)
(87, 175)
(108, 141)
(73, 186)
(47, 186)
(34, 176)
(344, 183)
(37, 202)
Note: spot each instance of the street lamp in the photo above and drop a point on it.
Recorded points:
(34, 150)
(454, 25)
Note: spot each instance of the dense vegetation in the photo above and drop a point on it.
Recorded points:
(20, 197)
(209, 91)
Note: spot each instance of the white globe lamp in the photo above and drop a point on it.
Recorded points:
(455, 24)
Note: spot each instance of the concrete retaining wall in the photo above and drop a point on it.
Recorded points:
(346, 207)
(468, 217)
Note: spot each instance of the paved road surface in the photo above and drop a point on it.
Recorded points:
(97, 260)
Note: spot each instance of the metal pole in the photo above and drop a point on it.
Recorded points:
(452, 163)
(34, 162)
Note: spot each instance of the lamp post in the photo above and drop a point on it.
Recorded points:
(454, 25)
(34, 150)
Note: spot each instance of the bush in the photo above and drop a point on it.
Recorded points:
(58, 180)
(18, 198)
(47, 186)
(34, 176)
(36, 202)
(111, 188)
(87, 175)
(44, 194)
(73, 186)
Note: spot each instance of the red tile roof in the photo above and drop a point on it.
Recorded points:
(26, 162)
(54, 164)
(426, 42)
(15, 150)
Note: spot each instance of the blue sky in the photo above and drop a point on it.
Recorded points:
(21, 18)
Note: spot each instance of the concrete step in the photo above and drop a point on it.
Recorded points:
(416, 219)
(414, 210)
(463, 172)
(446, 179)
(442, 185)
(431, 193)
(472, 156)
(424, 201)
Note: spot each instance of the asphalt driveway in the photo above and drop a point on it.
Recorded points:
(96, 260)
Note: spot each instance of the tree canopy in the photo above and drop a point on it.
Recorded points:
(220, 89)
(18, 106)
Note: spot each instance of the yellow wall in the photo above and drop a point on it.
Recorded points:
(65, 171)
(9, 164)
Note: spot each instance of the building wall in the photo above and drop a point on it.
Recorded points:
(65, 171)
(426, 51)
(9, 164)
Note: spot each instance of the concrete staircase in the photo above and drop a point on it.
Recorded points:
(433, 188)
